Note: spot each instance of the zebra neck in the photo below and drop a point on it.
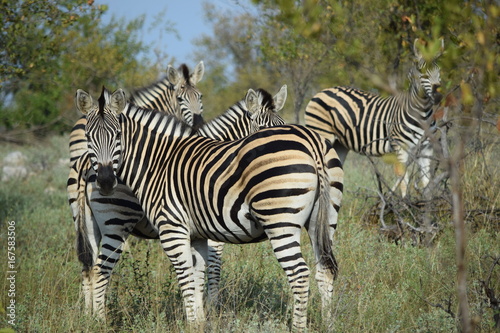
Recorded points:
(158, 96)
(231, 125)
(149, 140)
(418, 104)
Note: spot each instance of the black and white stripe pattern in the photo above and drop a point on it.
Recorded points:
(267, 185)
(116, 216)
(174, 94)
(372, 125)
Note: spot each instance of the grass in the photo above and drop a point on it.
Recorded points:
(382, 286)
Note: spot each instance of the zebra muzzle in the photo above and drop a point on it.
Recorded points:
(106, 180)
(197, 121)
(436, 95)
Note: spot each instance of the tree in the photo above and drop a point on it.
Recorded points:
(53, 48)
(234, 60)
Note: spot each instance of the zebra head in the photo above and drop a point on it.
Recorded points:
(427, 75)
(103, 133)
(264, 108)
(188, 96)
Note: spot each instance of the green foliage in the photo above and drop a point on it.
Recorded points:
(322, 43)
(33, 33)
(73, 49)
(233, 60)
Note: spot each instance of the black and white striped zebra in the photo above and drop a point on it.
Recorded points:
(372, 125)
(108, 220)
(268, 185)
(176, 94)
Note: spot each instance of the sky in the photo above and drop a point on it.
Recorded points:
(185, 15)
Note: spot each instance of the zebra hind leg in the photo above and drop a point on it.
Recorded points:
(286, 246)
(326, 265)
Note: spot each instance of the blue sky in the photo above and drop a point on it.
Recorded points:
(185, 15)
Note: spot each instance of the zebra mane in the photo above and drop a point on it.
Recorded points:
(162, 84)
(267, 99)
(157, 120)
(183, 68)
(102, 101)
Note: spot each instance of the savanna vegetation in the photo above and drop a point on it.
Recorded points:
(427, 263)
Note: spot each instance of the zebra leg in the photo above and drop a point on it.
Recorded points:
(175, 241)
(424, 163)
(403, 180)
(325, 274)
(214, 268)
(110, 252)
(286, 246)
(341, 150)
(200, 258)
(115, 217)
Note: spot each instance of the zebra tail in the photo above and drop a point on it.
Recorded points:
(325, 245)
(83, 247)
(79, 206)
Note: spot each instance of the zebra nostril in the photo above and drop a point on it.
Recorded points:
(106, 180)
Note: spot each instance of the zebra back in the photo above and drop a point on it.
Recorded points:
(373, 125)
(257, 110)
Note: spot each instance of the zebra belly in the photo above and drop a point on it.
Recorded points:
(244, 230)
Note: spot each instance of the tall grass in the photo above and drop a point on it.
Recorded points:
(382, 286)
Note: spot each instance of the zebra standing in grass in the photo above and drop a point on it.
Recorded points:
(175, 94)
(268, 185)
(372, 125)
(107, 221)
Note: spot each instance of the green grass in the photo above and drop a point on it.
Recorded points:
(382, 286)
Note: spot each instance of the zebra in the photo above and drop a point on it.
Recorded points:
(176, 93)
(268, 185)
(109, 220)
(372, 125)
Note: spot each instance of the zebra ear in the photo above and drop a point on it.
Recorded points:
(197, 75)
(173, 75)
(118, 101)
(418, 55)
(252, 101)
(83, 101)
(441, 50)
(280, 98)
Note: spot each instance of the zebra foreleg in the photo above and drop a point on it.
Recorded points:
(214, 269)
(109, 255)
(424, 163)
(404, 178)
(200, 259)
(175, 241)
